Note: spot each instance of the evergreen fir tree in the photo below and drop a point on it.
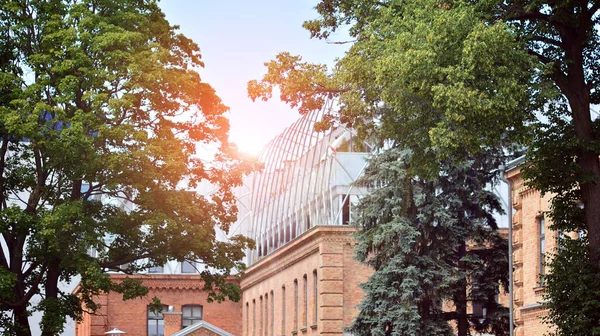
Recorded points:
(433, 243)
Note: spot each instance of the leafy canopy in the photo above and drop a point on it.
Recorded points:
(445, 95)
(102, 115)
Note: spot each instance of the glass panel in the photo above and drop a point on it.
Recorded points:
(187, 267)
(161, 328)
(197, 311)
(187, 311)
(542, 246)
(152, 328)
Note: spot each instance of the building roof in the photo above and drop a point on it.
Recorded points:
(200, 325)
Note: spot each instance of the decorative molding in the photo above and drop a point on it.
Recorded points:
(301, 248)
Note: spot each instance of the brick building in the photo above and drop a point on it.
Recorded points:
(532, 241)
(309, 287)
(182, 292)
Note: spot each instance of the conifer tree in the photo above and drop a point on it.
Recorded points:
(435, 248)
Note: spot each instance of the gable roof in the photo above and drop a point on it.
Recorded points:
(200, 325)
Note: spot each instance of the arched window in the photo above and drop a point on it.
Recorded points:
(254, 317)
(305, 299)
(260, 317)
(266, 314)
(156, 322)
(247, 319)
(192, 314)
(283, 310)
(272, 314)
(296, 305)
(316, 297)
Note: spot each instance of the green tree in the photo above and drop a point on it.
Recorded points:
(467, 76)
(414, 233)
(103, 99)
(434, 79)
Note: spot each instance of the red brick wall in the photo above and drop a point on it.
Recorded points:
(172, 290)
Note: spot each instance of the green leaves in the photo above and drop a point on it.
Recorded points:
(101, 109)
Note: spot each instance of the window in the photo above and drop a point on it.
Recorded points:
(266, 314)
(247, 319)
(272, 314)
(254, 317)
(192, 314)
(542, 231)
(283, 310)
(305, 311)
(188, 267)
(295, 304)
(316, 297)
(345, 209)
(156, 322)
(156, 269)
(260, 323)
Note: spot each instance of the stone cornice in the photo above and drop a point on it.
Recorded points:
(300, 248)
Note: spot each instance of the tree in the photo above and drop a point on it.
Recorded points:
(434, 79)
(522, 71)
(414, 234)
(101, 99)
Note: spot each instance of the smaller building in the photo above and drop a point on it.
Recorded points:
(185, 307)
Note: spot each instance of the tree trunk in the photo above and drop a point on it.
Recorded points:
(577, 92)
(51, 294)
(460, 298)
(22, 321)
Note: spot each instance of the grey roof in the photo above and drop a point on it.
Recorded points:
(200, 325)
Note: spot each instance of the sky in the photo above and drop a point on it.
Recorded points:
(236, 37)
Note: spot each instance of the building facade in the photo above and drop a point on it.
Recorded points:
(309, 287)
(533, 241)
(185, 304)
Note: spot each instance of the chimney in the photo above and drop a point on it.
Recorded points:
(172, 321)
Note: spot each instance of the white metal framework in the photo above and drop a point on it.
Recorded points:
(306, 181)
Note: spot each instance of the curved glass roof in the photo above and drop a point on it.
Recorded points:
(306, 181)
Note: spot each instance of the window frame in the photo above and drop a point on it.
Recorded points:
(305, 312)
(283, 310)
(192, 265)
(162, 318)
(316, 297)
(193, 319)
(296, 303)
(542, 248)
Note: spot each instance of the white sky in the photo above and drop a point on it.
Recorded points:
(236, 37)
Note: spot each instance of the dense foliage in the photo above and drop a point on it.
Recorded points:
(451, 79)
(101, 104)
(435, 249)
(444, 95)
